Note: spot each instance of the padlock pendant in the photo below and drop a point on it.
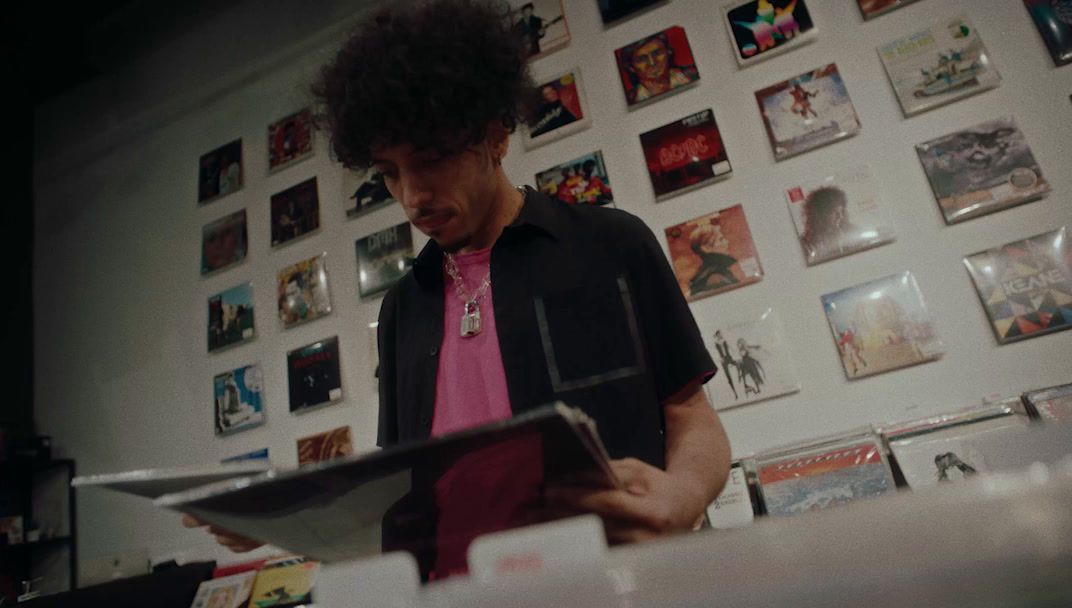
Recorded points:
(471, 319)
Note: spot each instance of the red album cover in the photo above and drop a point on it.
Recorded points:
(685, 154)
(295, 212)
(325, 446)
(656, 65)
(290, 139)
(713, 253)
(818, 464)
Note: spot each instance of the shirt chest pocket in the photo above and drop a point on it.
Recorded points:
(589, 334)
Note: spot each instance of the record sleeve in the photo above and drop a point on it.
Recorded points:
(874, 8)
(881, 325)
(760, 29)
(713, 253)
(839, 215)
(238, 397)
(302, 291)
(153, 483)
(295, 212)
(982, 169)
(613, 11)
(290, 139)
(223, 242)
(255, 455)
(328, 445)
(288, 585)
(313, 375)
(225, 592)
(806, 112)
(541, 25)
(755, 362)
(365, 192)
(581, 181)
(938, 65)
(1053, 18)
(562, 110)
(1052, 404)
(733, 507)
(656, 66)
(1025, 286)
(685, 155)
(220, 172)
(383, 258)
(230, 317)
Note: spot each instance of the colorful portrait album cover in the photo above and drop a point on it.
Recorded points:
(685, 154)
(562, 110)
(581, 181)
(230, 317)
(881, 325)
(760, 29)
(655, 66)
(982, 169)
(541, 25)
(383, 258)
(753, 361)
(220, 172)
(713, 253)
(261, 454)
(938, 65)
(1025, 286)
(615, 10)
(290, 140)
(808, 111)
(302, 291)
(364, 192)
(224, 242)
(874, 8)
(239, 399)
(285, 585)
(1053, 18)
(328, 445)
(313, 375)
(838, 215)
(225, 592)
(295, 212)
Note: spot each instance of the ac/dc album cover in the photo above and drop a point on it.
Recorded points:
(839, 215)
(261, 454)
(303, 292)
(364, 192)
(881, 325)
(285, 586)
(382, 258)
(1053, 404)
(295, 212)
(1026, 286)
(1053, 18)
(225, 592)
(938, 65)
(760, 29)
(581, 181)
(325, 446)
(562, 110)
(220, 172)
(615, 10)
(983, 169)
(290, 140)
(230, 317)
(541, 25)
(835, 475)
(657, 65)
(239, 402)
(313, 375)
(754, 363)
(733, 507)
(808, 111)
(223, 242)
(685, 155)
(874, 8)
(713, 253)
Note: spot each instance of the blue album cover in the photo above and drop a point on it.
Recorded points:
(238, 397)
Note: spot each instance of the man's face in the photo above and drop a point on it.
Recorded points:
(550, 94)
(650, 60)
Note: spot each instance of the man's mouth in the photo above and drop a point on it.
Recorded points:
(431, 221)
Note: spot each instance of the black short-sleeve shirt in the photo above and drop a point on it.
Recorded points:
(587, 310)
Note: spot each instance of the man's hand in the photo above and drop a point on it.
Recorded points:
(234, 542)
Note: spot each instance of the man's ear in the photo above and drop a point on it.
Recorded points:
(498, 141)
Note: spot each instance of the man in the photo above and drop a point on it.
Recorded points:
(530, 28)
(517, 300)
(652, 70)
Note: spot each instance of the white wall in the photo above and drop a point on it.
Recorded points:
(123, 379)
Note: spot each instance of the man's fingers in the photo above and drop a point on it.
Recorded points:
(191, 522)
(607, 503)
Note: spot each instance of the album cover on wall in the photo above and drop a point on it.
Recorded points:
(938, 65)
(1053, 404)
(581, 181)
(760, 29)
(562, 110)
(255, 455)
(655, 66)
(225, 592)
(733, 507)
(616, 10)
(325, 446)
(313, 375)
(881, 325)
(541, 25)
(808, 111)
(685, 155)
(239, 399)
(290, 139)
(1053, 18)
(230, 317)
(364, 192)
(713, 253)
(383, 258)
(223, 242)
(754, 363)
(839, 214)
(1025, 286)
(220, 172)
(874, 8)
(302, 291)
(982, 169)
(295, 212)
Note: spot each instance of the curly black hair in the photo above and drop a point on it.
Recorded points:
(432, 74)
